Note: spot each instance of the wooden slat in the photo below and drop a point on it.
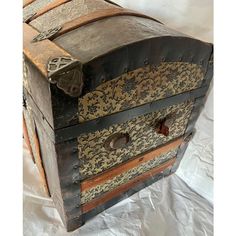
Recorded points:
(125, 187)
(26, 138)
(49, 7)
(38, 161)
(39, 53)
(27, 2)
(98, 15)
(94, 181)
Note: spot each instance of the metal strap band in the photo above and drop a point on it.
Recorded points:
(100, 123)
(27, 2)
(49, 7)
(96, 16)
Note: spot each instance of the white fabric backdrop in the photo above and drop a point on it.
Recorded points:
(176, 206)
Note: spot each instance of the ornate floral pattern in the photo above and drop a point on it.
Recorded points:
(138, 87)
(110, 184)
(95, 158)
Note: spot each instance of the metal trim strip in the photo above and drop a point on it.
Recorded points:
(123, 116)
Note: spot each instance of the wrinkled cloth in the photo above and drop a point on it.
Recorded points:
(179, 205)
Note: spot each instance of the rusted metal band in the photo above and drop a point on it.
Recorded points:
(49, 7)
(125, 187)
(27, 2)
(108, 175)
(96, 16)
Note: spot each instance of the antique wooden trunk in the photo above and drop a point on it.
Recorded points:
(111, 97)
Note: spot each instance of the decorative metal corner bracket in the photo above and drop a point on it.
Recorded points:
(46, 34)
(28, 18)
(66, 73)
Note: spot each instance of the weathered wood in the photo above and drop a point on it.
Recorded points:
(27, 2)
(39, 163)
(96, 16)
(112, 194)
(39, 53)
(117, 170)
(26, 138)
(49, 7)
(49, 157)
(57, 109)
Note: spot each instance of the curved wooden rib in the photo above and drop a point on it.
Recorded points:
(96, 16)
(49, 7)
(94, 181)
(40, 53)
(125, 187)
(27, 2)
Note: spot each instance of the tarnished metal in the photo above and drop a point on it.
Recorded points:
(66, 72)
(46, 34)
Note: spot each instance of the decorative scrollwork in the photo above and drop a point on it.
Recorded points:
(59, 63)
(46, 34)
(66, 73)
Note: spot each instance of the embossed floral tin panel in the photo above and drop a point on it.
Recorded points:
(95, 157)
(138, 87)
(111, 184)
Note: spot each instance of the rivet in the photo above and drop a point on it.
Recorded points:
(76, 166)
(77, 206)
(146, 62)
(125, 70)
(103, 79)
